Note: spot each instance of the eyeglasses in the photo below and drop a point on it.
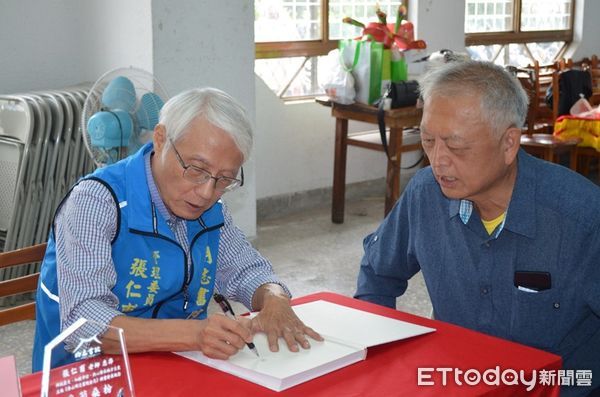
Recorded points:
(200, 176)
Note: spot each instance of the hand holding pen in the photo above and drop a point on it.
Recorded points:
(228, 311)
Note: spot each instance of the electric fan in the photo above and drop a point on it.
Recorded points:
(120, 113)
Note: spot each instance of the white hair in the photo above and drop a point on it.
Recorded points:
(216, 107)
(503, 100)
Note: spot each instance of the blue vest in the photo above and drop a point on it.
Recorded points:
(153, 278)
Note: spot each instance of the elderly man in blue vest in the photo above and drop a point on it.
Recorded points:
(142, 244)
(508, 244)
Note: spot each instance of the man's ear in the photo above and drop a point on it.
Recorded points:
(159, 137)
(511, 144)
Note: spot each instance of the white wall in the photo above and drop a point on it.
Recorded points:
(294, 147)
(118, 33)
(52, 44)
(441, 23)
(36, 39)
(210, 43)
(586, 30)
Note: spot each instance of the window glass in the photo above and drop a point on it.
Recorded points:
(541, 31)
(517, 54)
(300, 20)
(546, 52)
(287, 20)
(497, 15)
(488, 16)
(483, 52)
(277, 73)
(545, 15)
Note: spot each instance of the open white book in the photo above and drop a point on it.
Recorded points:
(348, 333)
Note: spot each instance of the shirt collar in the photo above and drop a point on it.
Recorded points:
(465, 209)
(520, 215)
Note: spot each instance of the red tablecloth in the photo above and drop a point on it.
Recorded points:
(389, 370)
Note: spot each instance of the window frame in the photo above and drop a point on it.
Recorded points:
(307, 48)
(519, 37)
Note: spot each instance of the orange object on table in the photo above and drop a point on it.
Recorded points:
(587, 129)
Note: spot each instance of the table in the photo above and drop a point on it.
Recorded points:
(396, 120)
(550, 148)
(389, 369)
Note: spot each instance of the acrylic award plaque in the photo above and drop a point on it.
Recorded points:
(90, 371)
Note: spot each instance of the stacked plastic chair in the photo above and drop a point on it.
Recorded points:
(41, 155)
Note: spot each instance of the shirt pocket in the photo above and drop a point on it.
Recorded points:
(534, 316)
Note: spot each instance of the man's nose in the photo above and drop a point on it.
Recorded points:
(438, 155)
(206, 190)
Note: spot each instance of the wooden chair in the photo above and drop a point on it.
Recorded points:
(20, 285)
(568, 63)
(537, 138)
(541, 116)
(594, 68)
(584, 155)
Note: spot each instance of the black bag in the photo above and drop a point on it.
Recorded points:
(571, 84)
(402, 94)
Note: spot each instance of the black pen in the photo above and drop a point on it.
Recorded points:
(228, 310)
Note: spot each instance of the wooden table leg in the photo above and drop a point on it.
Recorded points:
(573, 158)
(339, 170)
(549, 155)
(392, 189)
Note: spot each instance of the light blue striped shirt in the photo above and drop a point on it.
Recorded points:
(465, 209)
(85, 226)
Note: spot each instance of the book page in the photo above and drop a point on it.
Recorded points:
(356, 326)
(283, 369)
(285, 363)
(347, 333)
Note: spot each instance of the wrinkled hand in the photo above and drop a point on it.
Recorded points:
(277, 319)
(221, 337)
